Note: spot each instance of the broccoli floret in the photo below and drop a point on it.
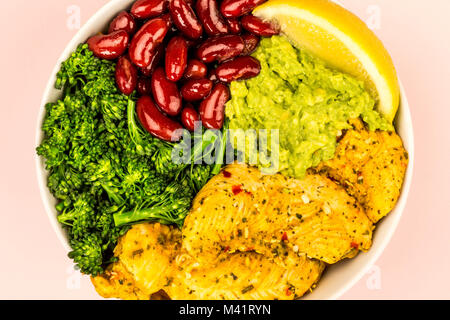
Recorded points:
(81, 217)
(155, 185)
(200, 175)
(84, 71)
(164, 164)
(87, 253)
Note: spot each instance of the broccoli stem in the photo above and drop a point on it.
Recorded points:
(158, 213)
(112, 195)
(133, 127)
(221, 154)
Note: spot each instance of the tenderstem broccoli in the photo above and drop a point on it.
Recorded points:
(105, 171)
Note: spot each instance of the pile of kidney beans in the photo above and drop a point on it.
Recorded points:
(181, 55)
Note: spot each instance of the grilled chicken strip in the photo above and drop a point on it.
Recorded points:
(243, 210)
(371, 166)
(245, 275)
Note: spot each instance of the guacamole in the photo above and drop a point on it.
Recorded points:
(309, 103)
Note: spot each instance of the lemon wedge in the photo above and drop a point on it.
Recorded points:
(342, 40)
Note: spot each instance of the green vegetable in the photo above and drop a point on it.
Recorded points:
(172, 205)
(87, 253)
(105, 171)
(169, 207)
(309, 103)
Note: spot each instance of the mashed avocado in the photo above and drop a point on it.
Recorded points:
(309, 103)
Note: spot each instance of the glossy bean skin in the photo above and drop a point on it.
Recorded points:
(176, 58)
(166, 93)
(144, 87)
(126, 76)
(144, 9)
(259, 27)
(156, 59)
(251, 42)
(209, 15)
(195, 90)
(146, 40)
(123, 21)
(195, 70)
(240, 68)
(109, 46)
(220, 48)
(234, 25)
(155, 122)
(189, 117)
(238, 8)
(212, 109)
(185, 19)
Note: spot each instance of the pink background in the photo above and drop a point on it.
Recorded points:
(416, 263)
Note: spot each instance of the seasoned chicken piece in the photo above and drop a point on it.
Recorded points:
(238, 276)
(146, 254)
(244, 275)
(243, 210)
(371, 166)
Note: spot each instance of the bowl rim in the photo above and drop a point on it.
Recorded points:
(82, 35)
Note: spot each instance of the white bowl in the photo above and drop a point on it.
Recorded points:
(338, 278)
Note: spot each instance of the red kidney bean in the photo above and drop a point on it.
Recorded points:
(212, 109)
(189, 117)
(176, 58)
(195, 70)
(165, 93)
(144, 9)
(185, 19)
(234, 26)
(251, 43)
(209, 15)
(240, 68)
(110, 46)
(144, 87)
(156, 59)
(221, 48)
(146, 40)
(155, 122)
(126, 76)
(259, 27)
(123, 21)
(195, 90)
(237, 8)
